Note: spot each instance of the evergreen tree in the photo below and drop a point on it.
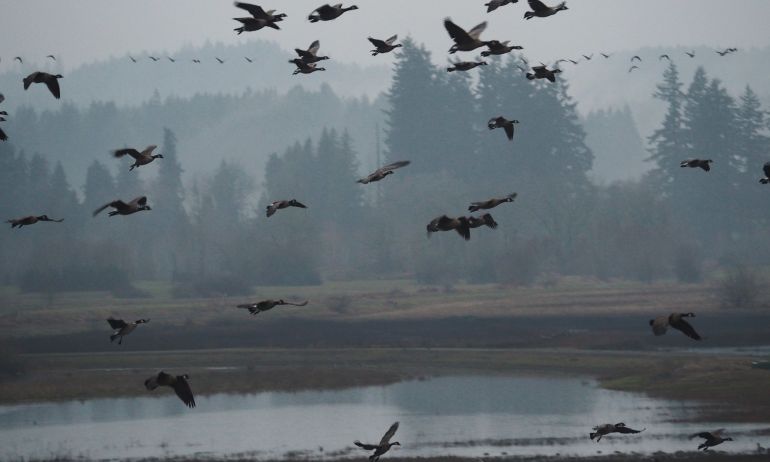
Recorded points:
(99, 187)
(668, 143)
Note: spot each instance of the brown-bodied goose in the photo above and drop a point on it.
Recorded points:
(178, 383)
(465, 41)
(712, 439)
(383, 446)
(259, 18)
(140, 158)
(542, 72)
(675, 320)
(123, 328)
(310, 55)
(465, 66)
(384, 46)
(491, 203)
(265, 305)
(697, 163)
(445, 223)
(382, 172)
(50, 80)
(484, 220)
(329, 13)
(305, 68)
(502, 122)
(30, 220)
(497, 47)
(495, 4)
(766, 171)
(541, 10)
(606, 429)
(278, 205)
(121, 208)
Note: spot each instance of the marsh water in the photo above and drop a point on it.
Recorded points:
(470, 416)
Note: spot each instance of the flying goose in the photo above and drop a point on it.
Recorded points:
(133, 60)
(265, 305)
(254, 24)
(605, 55)
(691, 54)
(464, 41)
(589, 57)
(502, 122)
(196, 61)
(310, 55)
(542, 72)
(484, 220)
(465, 65)
(123, 328)
(171, 59)
(675, 320)
(497, 47)
(541, 10)
(219, 60)
(328, 12)
(606, 429)
(140, 158)
(18, 58)
(664, 56)
(178, 383)
(3, 136)
(444, 223)
(495, 4)
(697, 163)
(766, 171)
(384, 46)
(51, 81)
(154, 59)
(636, 57)
(383, 446)
(712, 439)
(259, 18)
(122, 208)
(52, 57)
(382, 172)
(30, 220)
(305, 68)
(278, 205)
(491, 203)
(632, 69)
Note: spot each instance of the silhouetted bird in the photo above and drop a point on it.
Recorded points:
(196, 61)
(154, 59)
(712, 439)
(278, 205)
(697, 163)
(465, 65)
(266, 305)
(676, 321)
(588, 57)
(691, 54)
(766, 171)
(30, 220)
(542, 72)
(464, 41)
(636, 57)
(605, 55)
(484, 220)
(383, 446)
(497, 47)
(382, 172)
(664, 56)
(541, 10)
(123, 328)
(121, 208)
(140, 158)
(632, 69)
(259, 18)
(178, 383)
(18, 58)
(248, 59)
(171, 59)
(445, 223)
(329, 13)
(305, 68)
(606, 429)
(133, 60)
(491, 203)
(310, 55)
(502, 122)
(495, 4)
(52, 57)
(384, 46)
(51, 81)
(219, 60)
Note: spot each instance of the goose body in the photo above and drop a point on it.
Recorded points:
(123, 328)
(266, 305)
(383, 446)
(704, 164)
(278, 205)
(305, 68)
(495, 4)
(606, 429)
(712, 439)
(541, 10)
(30, 220)
(384, 46)
(445, 223)
(766, 171)
(491, 203)
(505, 124)
(179, 383)
(122, 208)
(661, 324)
(329, 13)
(310, 55)
(50, 80)
(542, 72)
(383, 172)
(497, 47)
(140, 158)
(259, 18)
(464, 41)
(465, 66)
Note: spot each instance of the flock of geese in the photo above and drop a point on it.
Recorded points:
(306, 63)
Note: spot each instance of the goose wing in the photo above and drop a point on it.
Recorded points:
(704, 435)
(183, 391)
(148, 150)
(395, 165)
(686, 328)
(508, 130)
(299, 204)
(314, 47)
(271, 209)
(127, 152)
(475, 33)
(624, 429)
(659, 325)
(766, 169)
(28, 80)
(254, 10)
(392, 40)
(456, 32)
(53, 86)
(141, 200)
(3, 136)
(118, 204)
(116, 323)
(297, 304)
(538, 6)
(157, 380)
(377, 42)
(326, 9)
(368, 447)
(389, 434)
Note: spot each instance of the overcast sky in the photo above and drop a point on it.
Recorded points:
(80, 31)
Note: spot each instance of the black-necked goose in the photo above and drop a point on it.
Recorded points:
(542, 72)
(30, 220)
(502, 122)
(491, 203)
(259, 18)
(310, 55)
(495, 4)
(445, 223)
(278, 205)
(122, 208)
(140, 158)
(497, 47)
(705, 164)
(123, 328)
(50, 80)
(178, 383)
(541, 10)
(465, 66)
(465, 41)
(329, 13)
(383, 446)
(382, 172)
(384, 46)
(712, 439)
(266, 305)
(675, 320)
(305, 68)
(606, 429)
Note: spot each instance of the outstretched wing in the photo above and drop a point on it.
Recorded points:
(298, 304)
(395, 165)
(126, 152)
(476, 31)
(508, 130)
(141, 200)
(377, 42)
(314, 47)
(3, 136)
(325, 10)
(704, 435)
(659, 325)
(392, 40)
(624, 429)
(117, 204)
(368, 447)
(538, 6)
(389, 434)
(117, 323)
(255, 10)
(456, 32)
(53, 87)
(184, 392)
(687, 329)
